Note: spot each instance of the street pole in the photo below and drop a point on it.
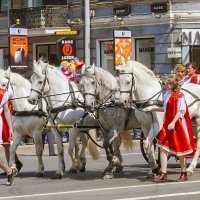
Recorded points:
(9, 7)
(87, 32)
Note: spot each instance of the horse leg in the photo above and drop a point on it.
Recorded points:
(61, 163)
(193, 164)
(16, 139)
(39, 151)
(73, 144)
(117, 158)
(82, 157)
(154, 168)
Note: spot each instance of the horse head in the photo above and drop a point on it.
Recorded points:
(127, 82)
(89, 86)
(39, 81)
(5, 81)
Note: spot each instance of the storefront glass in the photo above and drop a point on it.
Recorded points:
(107, 56)
(145, 52)
(4, 58)
(195, 52)
(48, 52)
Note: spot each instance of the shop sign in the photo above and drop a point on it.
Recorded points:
(159, 7)
(66, 49)
(18, 51)
(122, 11)
(174, 52)
(122, 47)
(18, 31)
(190, 36)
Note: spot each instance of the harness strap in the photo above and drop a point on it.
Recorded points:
(38, 113)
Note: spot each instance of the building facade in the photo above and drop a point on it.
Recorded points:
(164, 33)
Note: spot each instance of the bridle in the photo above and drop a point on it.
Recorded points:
(41, 92)
(95, 94)
(132, 85)
(143, 103)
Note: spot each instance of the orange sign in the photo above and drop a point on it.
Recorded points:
(67, 49)
(18, 51)
(123, 51)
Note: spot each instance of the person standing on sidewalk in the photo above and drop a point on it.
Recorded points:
(176, 136)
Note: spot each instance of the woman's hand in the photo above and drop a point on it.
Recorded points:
(171, 126)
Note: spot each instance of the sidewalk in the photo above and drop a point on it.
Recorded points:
(29, 149)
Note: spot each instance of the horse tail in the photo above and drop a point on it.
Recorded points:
(92, 147)
(127, 141)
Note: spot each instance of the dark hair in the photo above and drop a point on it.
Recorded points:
(193, 65)
(175, 81)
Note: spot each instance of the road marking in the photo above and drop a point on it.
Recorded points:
(105, 189)
(161, 196)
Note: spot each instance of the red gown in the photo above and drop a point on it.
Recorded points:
(4, 130)
(176, 141)
(195, 79)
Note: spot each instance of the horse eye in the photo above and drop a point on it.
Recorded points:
(40, 82)
(93, 82)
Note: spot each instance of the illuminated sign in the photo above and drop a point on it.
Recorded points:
(18, 51)
(122, 47)
(159, 7)
(66, 33)
(122, 11)
(66, 49)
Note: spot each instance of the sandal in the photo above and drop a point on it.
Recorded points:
(10, 178)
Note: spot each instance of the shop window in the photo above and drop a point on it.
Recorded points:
(195, 52)
(48, 52)
(145, 52)
(4, 58)
(107, 56)
(3, 6)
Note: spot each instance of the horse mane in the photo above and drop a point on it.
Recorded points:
(142, 67)
(20, 81)
(59, 75)
(106, 79)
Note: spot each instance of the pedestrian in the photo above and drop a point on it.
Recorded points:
(176, 136)
(6, 132)
(5, 123)
(50, 141)
(192, 73)
(181, 73)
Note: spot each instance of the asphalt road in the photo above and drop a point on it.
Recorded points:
(130, 184)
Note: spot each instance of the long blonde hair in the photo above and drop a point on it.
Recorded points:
(175, 81)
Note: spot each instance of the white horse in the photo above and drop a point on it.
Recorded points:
(26, 120)
(101, 87)
(61, 96)
(139, 86)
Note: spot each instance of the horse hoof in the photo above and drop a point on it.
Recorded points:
(189, 172)
(150, 176)
(39, 174)
(156, 170)
(57, 176)
(82, 169)
(108, 176)
(72, 171)
(118, 169)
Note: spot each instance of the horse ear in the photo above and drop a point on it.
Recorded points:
(8, 72)
(83, 69)
(34, 65)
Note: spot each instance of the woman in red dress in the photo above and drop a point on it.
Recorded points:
(176, 136)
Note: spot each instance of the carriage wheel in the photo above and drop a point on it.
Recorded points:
(144, 153)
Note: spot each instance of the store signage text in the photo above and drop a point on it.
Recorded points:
(122, 11)
(159, 7)
(146, 49)
(174, 52)
(191, 37)
(66, 49)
